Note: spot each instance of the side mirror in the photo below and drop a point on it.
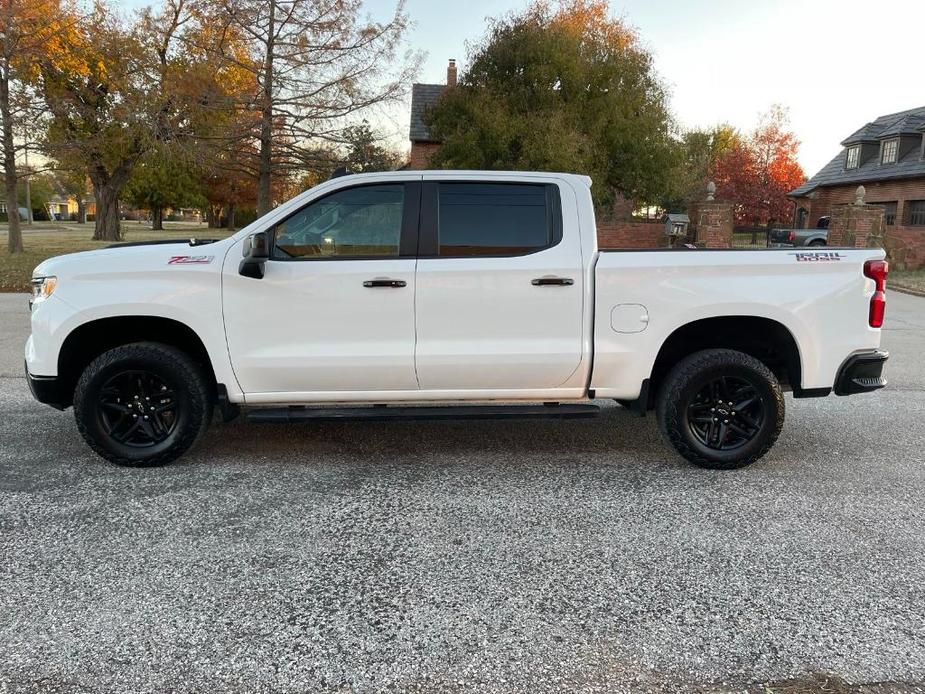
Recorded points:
(256, 253)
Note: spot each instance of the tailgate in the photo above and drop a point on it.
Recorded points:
(780, 236)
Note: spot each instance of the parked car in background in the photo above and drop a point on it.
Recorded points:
(377, 296)
(787, 238)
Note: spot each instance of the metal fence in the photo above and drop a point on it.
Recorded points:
(750, 237)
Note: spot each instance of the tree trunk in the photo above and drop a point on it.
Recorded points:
(157, 218)
(14, 240)
(231, 211)
(106, 227)
(81, 211)
(266, 120)
(214, 216)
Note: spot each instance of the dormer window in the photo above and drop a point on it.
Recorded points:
(854, 154)
(889, 150)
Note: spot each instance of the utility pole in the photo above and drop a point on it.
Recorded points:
(28, 192)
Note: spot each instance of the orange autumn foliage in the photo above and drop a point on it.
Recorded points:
(757, 172)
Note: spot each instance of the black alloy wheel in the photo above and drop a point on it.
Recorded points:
(726, 413)
(720, 408)
(137, 409)
(143, 404)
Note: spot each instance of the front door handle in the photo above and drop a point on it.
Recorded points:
(392, 284)
(553, 282)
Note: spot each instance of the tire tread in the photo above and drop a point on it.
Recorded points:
(190, 374)
(671, 416)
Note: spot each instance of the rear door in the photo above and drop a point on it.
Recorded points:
(499, 287)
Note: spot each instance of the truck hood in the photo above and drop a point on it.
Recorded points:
(134, 257)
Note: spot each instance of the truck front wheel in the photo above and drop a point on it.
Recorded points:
(142, 404)
(721, 409)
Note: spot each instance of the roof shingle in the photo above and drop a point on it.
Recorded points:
(911, 122)
(422, 97)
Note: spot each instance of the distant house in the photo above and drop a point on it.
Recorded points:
(61, 204)
(423, 96)
(887, 157)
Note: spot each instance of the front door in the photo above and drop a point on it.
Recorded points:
(334, 313)
(499, 289)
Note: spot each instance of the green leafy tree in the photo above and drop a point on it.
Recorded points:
(365, 151)
(41, 190)
(563, 87)
(699, 149)
(162, 180)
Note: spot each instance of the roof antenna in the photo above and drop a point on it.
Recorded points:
(340, 171)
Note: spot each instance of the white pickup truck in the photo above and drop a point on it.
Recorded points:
(447, 294)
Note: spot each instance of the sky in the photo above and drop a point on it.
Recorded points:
(835, 64)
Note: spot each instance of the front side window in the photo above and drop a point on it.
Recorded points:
(853, 154)
(493, 219)
(888, 151)
(362, 222)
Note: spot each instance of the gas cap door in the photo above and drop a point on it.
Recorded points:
(629, 318)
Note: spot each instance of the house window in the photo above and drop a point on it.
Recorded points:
(854, 154)
(889, 212)
(888, 151)
(917, 213)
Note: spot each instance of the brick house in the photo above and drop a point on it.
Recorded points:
(887, 157)
(423, 96)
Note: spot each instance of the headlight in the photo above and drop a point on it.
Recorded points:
(43, 287)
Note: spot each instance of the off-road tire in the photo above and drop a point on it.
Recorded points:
(170, 365)
(688, 377)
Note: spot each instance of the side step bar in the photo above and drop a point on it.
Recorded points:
(380, 413)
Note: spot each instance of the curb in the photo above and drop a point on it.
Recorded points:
(906, 290)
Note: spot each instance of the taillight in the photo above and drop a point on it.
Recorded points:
(792, 236)
(877, 270)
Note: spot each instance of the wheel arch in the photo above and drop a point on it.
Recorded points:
(766, 339)
(91, 339)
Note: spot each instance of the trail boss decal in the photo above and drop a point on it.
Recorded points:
(191, 260)
(818, 256)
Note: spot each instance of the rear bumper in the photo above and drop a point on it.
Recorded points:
(48, 390)
(861, 373)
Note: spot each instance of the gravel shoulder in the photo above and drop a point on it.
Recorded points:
(577, 556)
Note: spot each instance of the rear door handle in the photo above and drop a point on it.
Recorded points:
(553, 282)
(392, 284)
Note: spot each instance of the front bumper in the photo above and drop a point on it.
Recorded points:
(48, 390)
(861, 373)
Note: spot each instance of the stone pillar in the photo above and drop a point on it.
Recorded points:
(857, 225)
(712, 221)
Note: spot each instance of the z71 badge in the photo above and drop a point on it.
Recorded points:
(818, 256)
(191, 260)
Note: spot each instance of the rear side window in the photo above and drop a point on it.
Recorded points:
(494, 219)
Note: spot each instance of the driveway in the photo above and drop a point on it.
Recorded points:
(573, 556)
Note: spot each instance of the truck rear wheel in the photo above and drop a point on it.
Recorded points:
(721, 409)
(142, 405)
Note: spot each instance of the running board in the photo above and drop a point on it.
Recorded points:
(379, 413)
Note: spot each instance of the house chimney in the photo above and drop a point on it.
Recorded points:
(451, 73)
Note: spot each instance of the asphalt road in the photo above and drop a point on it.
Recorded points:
(576, 556)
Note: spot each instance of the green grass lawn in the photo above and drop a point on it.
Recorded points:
(745, 240)
(907, 279)
(48, 240)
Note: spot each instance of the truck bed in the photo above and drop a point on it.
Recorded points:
(642, 297)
